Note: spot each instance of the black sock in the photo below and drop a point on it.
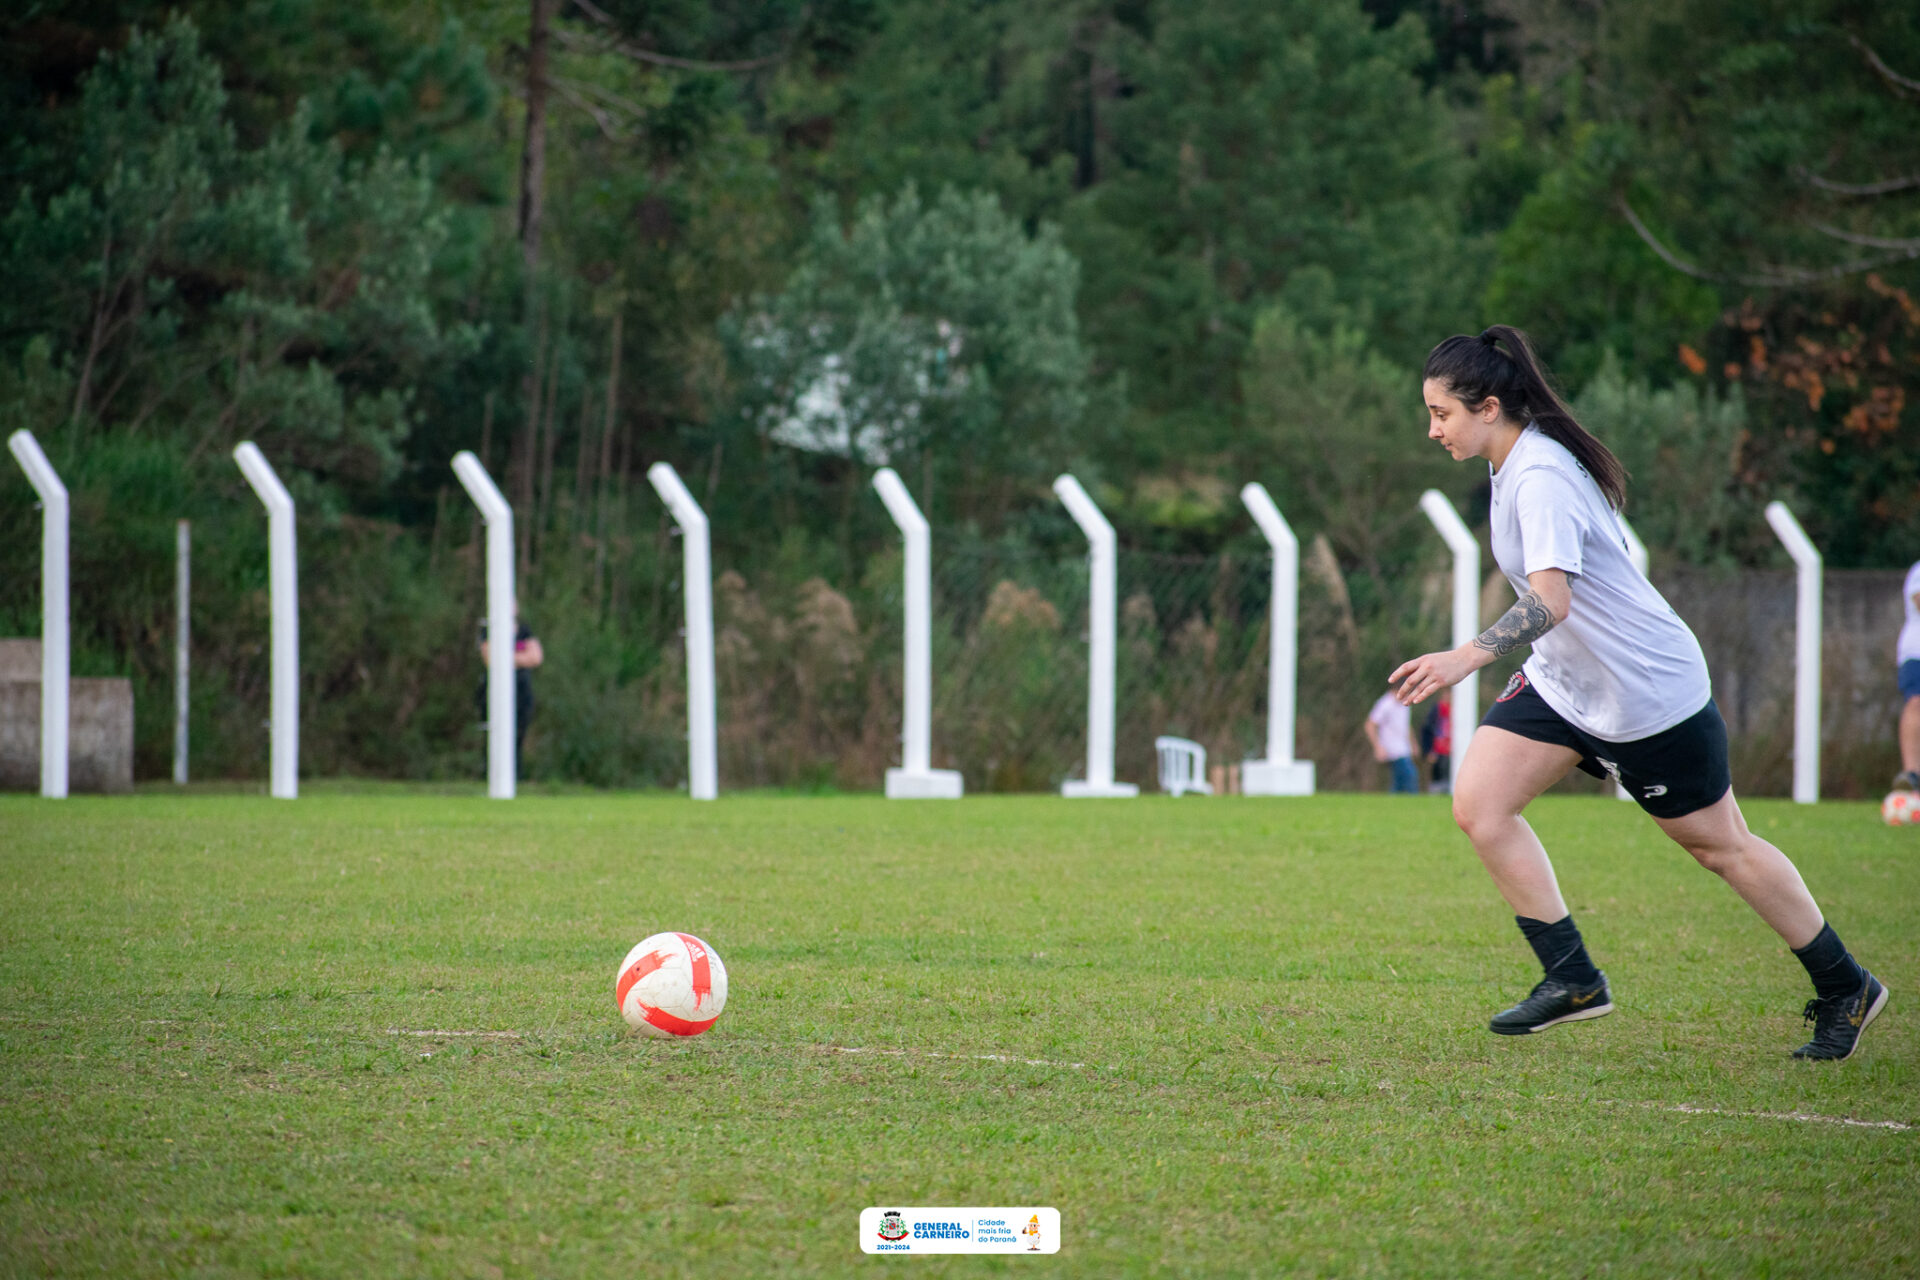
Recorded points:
(1562, 954)
(1833, 970)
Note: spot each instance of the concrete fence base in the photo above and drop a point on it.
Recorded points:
(100, 719)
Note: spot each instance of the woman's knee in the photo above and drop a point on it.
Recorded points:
(1717, 838)
(1723, 852)
(1718, 857)
(1478, 814)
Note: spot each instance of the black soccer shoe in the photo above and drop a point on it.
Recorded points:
(1839, 1023)
(1552, 1003)
(1907, 781)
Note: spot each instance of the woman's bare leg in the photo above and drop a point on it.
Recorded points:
(1848, 998)
(1501, 775)
(1718, 837)
(1909, 736)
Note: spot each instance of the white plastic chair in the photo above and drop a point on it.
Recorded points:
(1183, 766)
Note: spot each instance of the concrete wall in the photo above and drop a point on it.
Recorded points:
(19, 659)
(1745, 622)
(100, 726)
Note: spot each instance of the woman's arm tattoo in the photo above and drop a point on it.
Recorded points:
(1527, 621)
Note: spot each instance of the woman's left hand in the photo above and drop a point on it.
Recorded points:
(1429, 673)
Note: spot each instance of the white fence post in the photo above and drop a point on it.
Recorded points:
(503, 729)
(916, 779)
(1466, 615)
(1102, 606)
(182, 635)
(284, 587)
(703, 765)
(55, 654)
(1806, 680)
(1279, 774)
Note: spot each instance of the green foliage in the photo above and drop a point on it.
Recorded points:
(1338, 430)
(1768, 153)
(199, 288)
(1582, 284)
(994, 96)
(35, 393)
(1682, 447)
(1742, 116)
(1270, 152)
(610, 701)
(1202, 160)
(939, 334)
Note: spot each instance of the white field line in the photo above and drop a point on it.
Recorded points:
(1680, 1108)
(447, 1035)
(959, 1057)
(1802, 1117)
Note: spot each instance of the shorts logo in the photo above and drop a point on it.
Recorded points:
(1613, 771)
(1515, 683)
(1654, 793)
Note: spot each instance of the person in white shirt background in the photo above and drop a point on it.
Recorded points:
(1615, 684)
(1389, 729)
(1908, 657)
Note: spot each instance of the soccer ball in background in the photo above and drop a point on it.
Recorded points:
(1901, 808)
(670, 985)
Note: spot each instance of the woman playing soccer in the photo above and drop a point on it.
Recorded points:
(1615, 684)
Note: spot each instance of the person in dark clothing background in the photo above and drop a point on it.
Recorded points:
(527, 654)
(1436, 743)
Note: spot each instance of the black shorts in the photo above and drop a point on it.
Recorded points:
(1671, 774)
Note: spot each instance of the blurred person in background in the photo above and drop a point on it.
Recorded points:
(1908, 657)
(527, 654)
(1436, 744)
(1389, 728)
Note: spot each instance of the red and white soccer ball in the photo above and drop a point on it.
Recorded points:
(1901, 808)
(671, 985)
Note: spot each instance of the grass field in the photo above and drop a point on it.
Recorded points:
(375, 1035)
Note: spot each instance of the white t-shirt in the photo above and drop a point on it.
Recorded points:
(1910, 630)
(1394, 724)
(1622, 666)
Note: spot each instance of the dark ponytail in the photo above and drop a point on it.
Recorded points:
(1476, 368)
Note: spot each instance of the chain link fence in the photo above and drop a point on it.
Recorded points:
(810, 672)
(810, 663)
